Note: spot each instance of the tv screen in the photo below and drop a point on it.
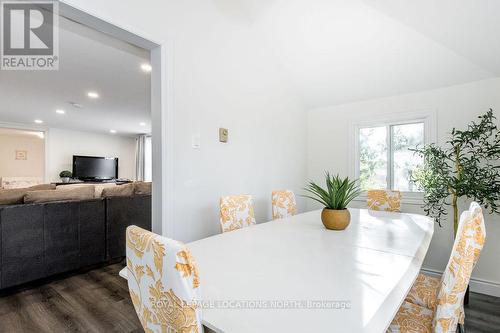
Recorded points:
(95, 168)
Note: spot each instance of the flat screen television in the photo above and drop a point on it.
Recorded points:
(95, 168)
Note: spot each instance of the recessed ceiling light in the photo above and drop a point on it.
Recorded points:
(60, 111)
(146, 68)
(38, 121)
(142, 124)
(112, 131)
(93, 94)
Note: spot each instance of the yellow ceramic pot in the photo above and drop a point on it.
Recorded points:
(335, 219)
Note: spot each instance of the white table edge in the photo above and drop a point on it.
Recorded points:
(419, 257)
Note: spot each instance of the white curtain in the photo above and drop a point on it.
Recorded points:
(143, 159)
(148, 160)
(140, 158)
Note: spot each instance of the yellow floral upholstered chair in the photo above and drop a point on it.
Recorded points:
(163, 282)
(236, 212)
(438, 307)
(386, 200)
(284, 204)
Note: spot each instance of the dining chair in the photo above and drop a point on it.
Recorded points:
(385, 200)
(438, 307)
(284, 204)
(236, 212)
(163, 282)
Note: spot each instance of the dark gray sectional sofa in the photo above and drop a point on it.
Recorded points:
(41, 240)
(120, 213)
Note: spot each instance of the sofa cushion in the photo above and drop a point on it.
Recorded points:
(118, 191)
(98, 187)
(142, 188)
(15, 196)
(9, 183)
(73, 194)
(69, 186)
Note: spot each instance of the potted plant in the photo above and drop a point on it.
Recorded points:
(65, 176)
(466, 167)
(337, 195)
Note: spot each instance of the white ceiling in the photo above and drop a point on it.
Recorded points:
(330, 51)
(17, 132)
(339, 51)
(89, 61)
(468, 27)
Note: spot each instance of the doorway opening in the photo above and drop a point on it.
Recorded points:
(161, 169)
(105, 101)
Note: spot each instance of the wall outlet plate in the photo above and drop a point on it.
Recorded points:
(223, 135)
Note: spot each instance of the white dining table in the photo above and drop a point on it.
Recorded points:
(293, 275)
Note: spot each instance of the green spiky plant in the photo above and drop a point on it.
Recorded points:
(338, 193)
(468, 166)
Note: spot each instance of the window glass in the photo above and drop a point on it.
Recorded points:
(385, 160)
(404, 161)
(373, 157)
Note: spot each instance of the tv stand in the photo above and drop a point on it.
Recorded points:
(95, 182)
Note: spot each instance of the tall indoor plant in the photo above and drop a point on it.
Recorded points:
(467, 166)
(337, 195)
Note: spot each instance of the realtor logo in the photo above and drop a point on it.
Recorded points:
(29, 35)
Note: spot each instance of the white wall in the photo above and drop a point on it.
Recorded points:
(33, 166)
(63, 144)
(221, 76)
(329, 144)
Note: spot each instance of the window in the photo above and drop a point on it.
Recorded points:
(384, 159)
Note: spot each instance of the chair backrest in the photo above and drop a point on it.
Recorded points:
(469, 242)
(236, 212)
(163, 282)
(284, 204)
(385, 200)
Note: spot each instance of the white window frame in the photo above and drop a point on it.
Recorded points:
(388, 120)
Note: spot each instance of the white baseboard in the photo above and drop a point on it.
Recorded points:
(476, 285)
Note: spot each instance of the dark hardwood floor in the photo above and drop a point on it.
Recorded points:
(98, 301)
(482, 315)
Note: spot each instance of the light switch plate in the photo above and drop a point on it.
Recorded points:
(223, 134)
(195, 141)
